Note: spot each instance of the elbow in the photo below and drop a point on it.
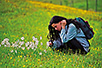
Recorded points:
(63, 41)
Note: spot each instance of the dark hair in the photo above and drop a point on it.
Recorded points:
(54, 34)
(56, 19)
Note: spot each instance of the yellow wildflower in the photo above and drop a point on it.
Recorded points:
(51, 53)
(90, 65)
(64, 66)
(21, 56)
(38, 59)
(30, 56)
(30, 64)
(10, 57)
(23, 65)
(64, 54)
(78, 58)
(82, 66)
(13, 65)
(0, 63)
(26, 60)
(14, 59)
(91, 54)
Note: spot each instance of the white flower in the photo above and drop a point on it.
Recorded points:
(22, 38)
(28, 48)
(13, 45)
(45, 51)
(36, 43)
(5, 45)
(31, 43)
(8, 44)
(33, 37)
(19, 46)
(22, 48)
(35, 46)
(17, 41)
(27, 44)
(47, 43)
(34, 49)
(21, 43)
(15, 51)
(40, 38)
(0, 45)
(41, 43)
(40, 65)
(47, 46)
(6, 39)
(3, 42)
(40, 53)
(11, 51)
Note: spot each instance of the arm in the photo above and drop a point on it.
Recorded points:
(71, 33)
(55, 44)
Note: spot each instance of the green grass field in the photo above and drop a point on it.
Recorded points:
(81, 4)
(23, 36)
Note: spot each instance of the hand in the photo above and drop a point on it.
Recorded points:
(50, 44)
(63, 23)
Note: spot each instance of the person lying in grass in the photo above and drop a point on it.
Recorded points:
(66, 34)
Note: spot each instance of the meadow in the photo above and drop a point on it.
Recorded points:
(81, 4)
(23, 36)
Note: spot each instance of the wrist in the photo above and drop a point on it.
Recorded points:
(63, 27)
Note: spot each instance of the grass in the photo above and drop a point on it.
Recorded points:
(30, 18)
(81, 4)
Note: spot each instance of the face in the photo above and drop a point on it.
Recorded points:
(57, 26)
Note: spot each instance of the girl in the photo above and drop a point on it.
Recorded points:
(65, 33)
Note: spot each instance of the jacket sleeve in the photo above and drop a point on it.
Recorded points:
(57, 43)
(71, 33)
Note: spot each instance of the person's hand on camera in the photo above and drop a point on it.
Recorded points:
(50, 44)
(63, 23)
